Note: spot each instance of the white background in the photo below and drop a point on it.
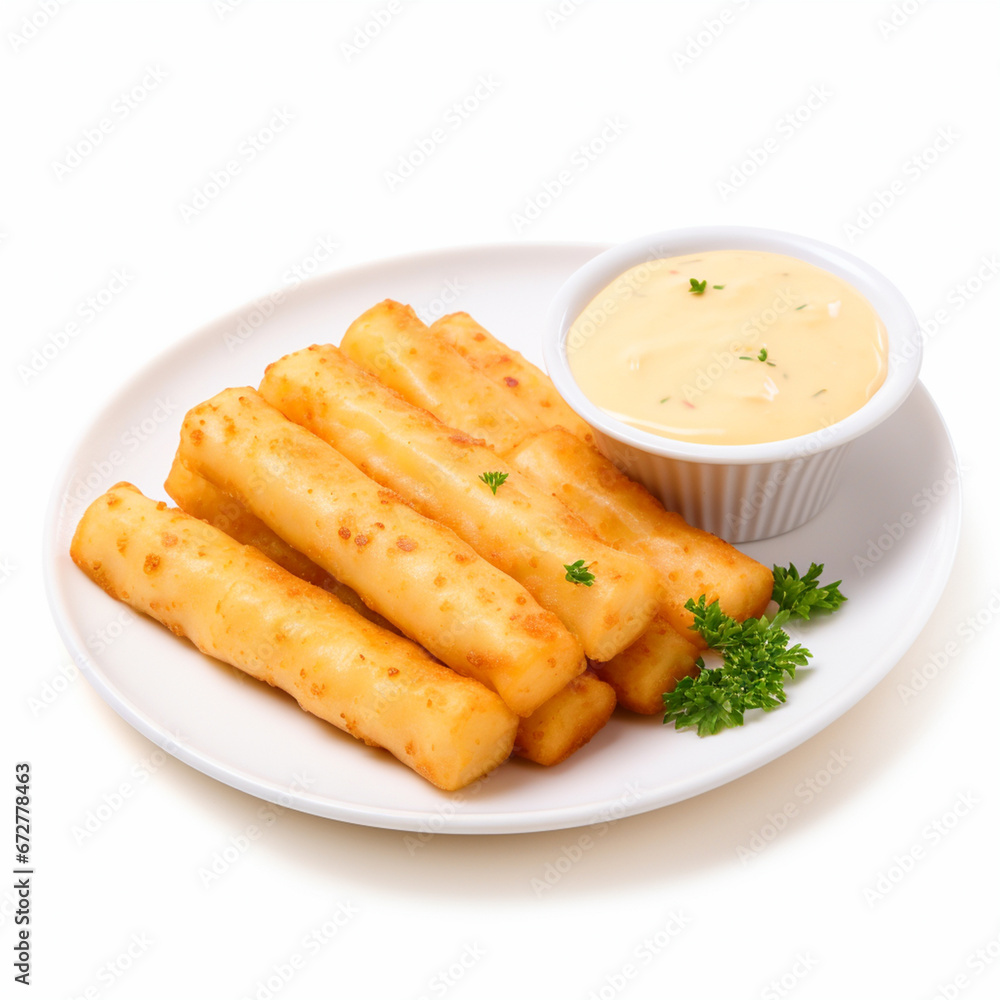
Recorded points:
(887, 79)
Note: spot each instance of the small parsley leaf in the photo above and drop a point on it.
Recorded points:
(578, 573)
(494, 479)
(698, 287)
(760, 357)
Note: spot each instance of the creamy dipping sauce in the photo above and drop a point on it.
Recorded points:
(728, 347)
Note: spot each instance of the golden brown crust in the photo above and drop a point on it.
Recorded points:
(566, 722)
(235, 604)
(512, 371)
(521, 530)
(690, 562)
(327, 509)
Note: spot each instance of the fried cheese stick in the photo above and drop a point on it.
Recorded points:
(506, 367)
(237, 605)
(196, 496)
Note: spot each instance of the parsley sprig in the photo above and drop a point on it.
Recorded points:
(799, 595)
(756, 656)
(494, 480)
(579, 573)
(755, 660)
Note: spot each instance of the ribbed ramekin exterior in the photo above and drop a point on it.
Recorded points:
(740, 503)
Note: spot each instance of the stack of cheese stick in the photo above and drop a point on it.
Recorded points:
(335, 539)
(456, 370)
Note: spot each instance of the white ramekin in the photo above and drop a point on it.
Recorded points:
(747, 491)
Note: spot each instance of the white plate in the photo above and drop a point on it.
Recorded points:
(898, 480)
